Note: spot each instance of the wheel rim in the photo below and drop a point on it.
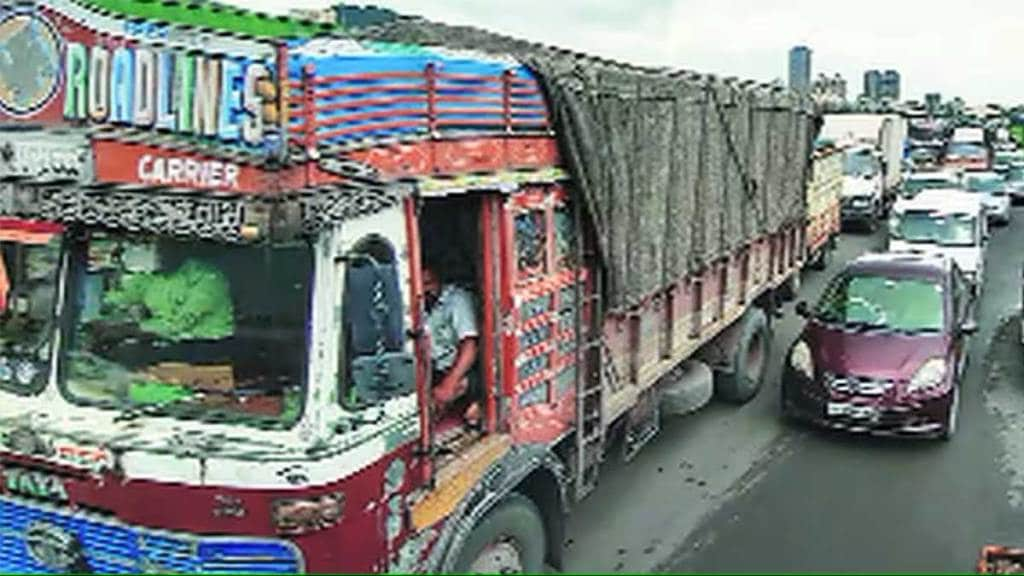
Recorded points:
(501, 557)
(755, 359)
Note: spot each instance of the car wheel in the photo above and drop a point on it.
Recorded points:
(953, 415)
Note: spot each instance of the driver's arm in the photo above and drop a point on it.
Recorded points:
(455, 382)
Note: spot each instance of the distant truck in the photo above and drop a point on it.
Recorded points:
(823, 205)
(968, 135)
(886, 133)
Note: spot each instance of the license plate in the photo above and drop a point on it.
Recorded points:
(851, 410)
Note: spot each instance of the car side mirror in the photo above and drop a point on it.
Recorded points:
(969, 327)
(803, 310)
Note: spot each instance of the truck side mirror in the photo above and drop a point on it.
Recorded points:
(803, 310)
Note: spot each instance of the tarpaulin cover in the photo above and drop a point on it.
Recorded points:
(677, 169)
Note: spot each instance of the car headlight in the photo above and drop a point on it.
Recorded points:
(929, 375)
(800, 359)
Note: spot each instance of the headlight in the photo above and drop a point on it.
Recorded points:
(800, 359)
(929, 375)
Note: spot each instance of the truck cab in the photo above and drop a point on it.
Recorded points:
(948, 222)
(862, 197)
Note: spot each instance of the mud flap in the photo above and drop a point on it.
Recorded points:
(643, 422)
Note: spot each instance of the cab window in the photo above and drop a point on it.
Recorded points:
(374, 361)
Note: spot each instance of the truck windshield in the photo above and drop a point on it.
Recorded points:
(934, 228)
(860, 163)
(189, 329)
(883, 303)
(29, 263)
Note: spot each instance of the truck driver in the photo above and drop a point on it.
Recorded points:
(451, 319)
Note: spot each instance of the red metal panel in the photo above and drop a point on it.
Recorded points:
(461, 156)
(489, 248)
(532, 152)
(422, 348)
(398, 160)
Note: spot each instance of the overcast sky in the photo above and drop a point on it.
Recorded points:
(973, 49)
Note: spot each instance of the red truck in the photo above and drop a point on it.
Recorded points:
(213, 347)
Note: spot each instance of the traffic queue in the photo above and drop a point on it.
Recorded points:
(885, 347)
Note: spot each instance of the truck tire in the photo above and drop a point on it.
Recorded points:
(823, 258)
(749, 365)
(790, 289)
(509, 539)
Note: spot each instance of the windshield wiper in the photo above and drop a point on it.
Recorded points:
(866, 326)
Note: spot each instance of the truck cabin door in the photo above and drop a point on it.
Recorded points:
(540, 313)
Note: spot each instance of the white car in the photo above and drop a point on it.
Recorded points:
(948, 222)
(918, 182)
(992, 188)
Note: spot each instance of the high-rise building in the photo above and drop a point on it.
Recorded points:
(890, 85)
(800, 69)
(829, 91)
(872, 84)
(880, 85)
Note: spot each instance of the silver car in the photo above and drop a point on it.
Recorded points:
(996, 198)
(1015, 182)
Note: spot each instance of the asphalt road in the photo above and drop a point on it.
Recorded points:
(834, 502)
(737, 489)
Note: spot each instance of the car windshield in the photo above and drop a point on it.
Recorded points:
(872, 301)
(915, 185)
(189, 329)
(965, 150)
(986, 183)
(934, 228)
(860, 163)
(922, 155)
(29, 263)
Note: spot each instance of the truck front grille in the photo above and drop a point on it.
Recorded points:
(37, 539)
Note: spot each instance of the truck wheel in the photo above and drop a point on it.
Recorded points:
(823, 258)
(750, 360)
(510, 539)
(790, 289)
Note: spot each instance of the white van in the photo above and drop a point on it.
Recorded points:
(943, 221)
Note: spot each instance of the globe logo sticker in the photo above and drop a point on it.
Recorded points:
(29, 63)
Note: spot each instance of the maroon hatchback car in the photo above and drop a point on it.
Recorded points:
(884, 349)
